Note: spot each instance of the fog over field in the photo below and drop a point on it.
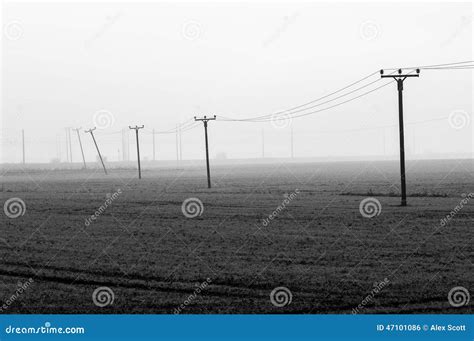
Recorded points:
(123, 193)
(111, 65)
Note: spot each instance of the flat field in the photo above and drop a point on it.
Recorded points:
(318, 244)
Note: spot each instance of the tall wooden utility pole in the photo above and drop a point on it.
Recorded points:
(205, 120)
(80, 144)
(400, 79)
(96, 147)
(138, 149)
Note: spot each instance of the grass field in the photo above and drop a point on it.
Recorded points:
(319, 246)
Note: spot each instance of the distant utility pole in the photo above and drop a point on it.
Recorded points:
(292, 152)
(177, 147)
(67, 147)
(80, 144)
(153, 134)
(400, 79)
(96, 147)
(69, 143)
(138, 148)
(23, 143)
(180, 145)
(263, 144)
(205, 120)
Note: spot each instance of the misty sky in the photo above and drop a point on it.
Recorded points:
(162, 64)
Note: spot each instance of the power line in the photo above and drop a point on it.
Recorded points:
(307, 103)
(335, 105)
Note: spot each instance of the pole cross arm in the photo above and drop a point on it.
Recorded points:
(399, 76)
(205, 118)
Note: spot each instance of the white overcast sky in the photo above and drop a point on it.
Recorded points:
(159, 64)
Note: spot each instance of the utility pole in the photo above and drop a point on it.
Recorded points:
(67, 147)
(180, 145)
(205, 120)
(138, 148)
(23, 143)
(80, 144)
(400, 79)
(96, 147)
(69, 143)
(153, 134)
(263, 144)
(177, 147)
(292, 151)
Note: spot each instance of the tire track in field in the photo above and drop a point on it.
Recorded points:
(70, 276)
(220, 289)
